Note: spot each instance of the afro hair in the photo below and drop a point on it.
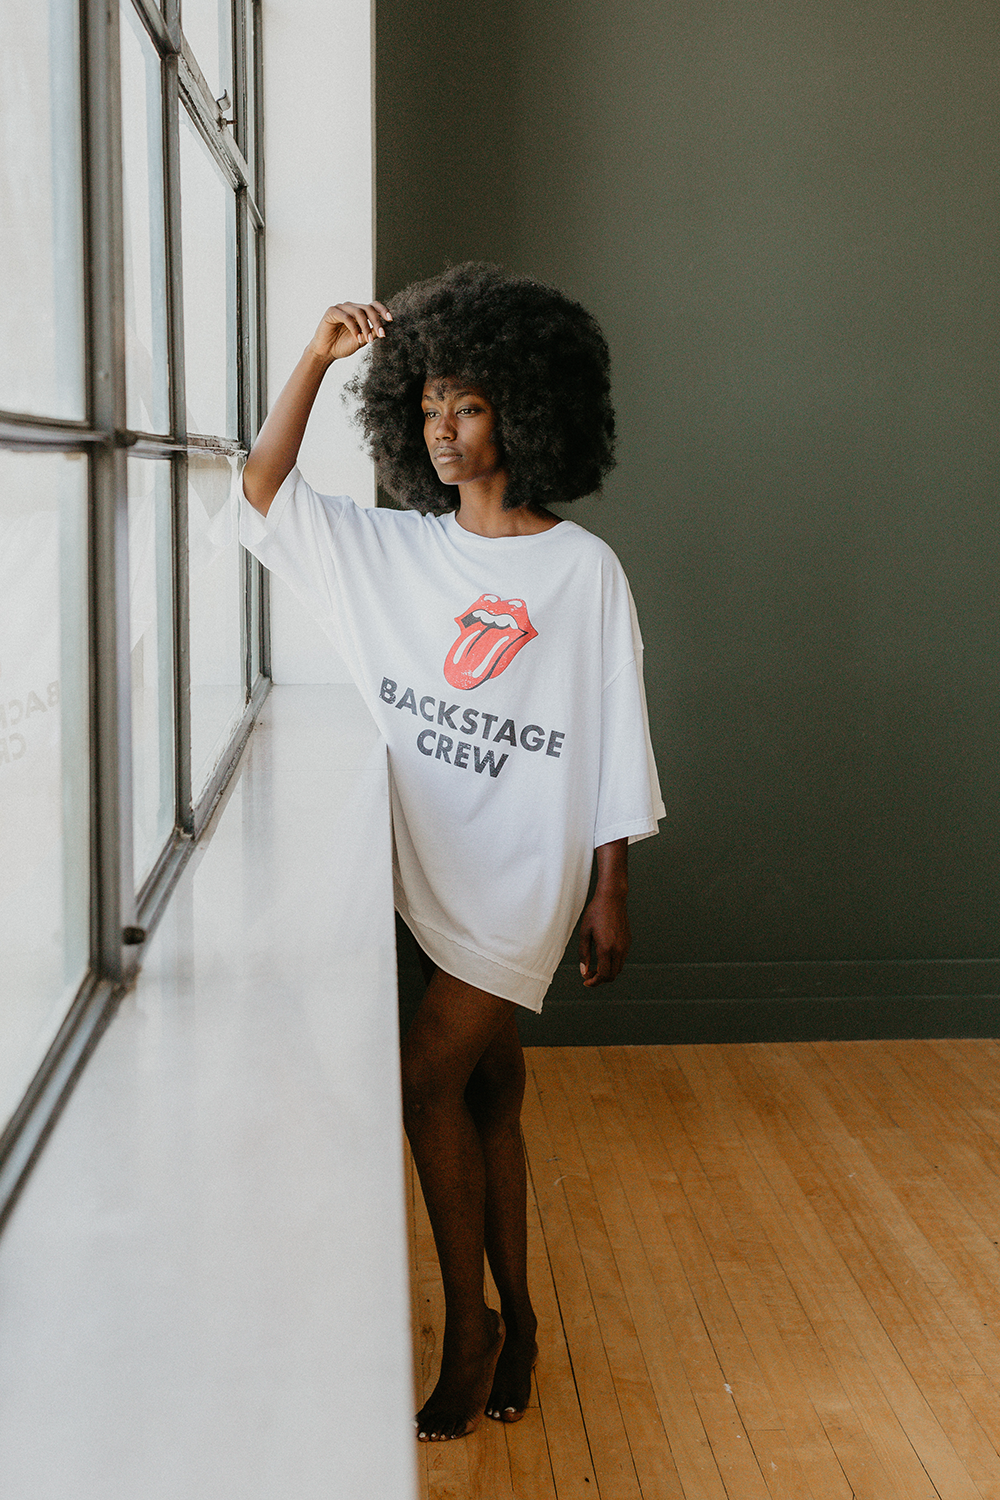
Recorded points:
(539, 357)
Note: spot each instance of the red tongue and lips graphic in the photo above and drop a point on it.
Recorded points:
(491, 633)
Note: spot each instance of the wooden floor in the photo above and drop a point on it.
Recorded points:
(761, 1271)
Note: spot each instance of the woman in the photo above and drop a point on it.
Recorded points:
(498, 650)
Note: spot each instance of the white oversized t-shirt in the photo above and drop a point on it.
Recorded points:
(506, 676)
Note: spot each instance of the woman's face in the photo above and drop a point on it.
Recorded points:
(459, 430)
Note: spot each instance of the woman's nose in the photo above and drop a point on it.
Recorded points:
(444, 426)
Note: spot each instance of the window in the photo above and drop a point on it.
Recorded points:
(133, 654)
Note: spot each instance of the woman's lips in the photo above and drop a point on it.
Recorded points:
(445, 455)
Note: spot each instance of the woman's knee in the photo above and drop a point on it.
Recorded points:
(495, 1090)
(430, 1079)
(456, 1032)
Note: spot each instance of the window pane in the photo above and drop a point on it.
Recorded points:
(145, 276)
(216, 606)
(44, 776)
(41, 327)
(208, 236)
(208, 27)
(151, 613)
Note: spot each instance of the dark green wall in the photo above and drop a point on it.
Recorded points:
(786, 218)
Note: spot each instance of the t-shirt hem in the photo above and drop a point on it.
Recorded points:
(253, 526)
(639, 828)
(527, 990)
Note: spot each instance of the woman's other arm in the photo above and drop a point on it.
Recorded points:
(604, 932)
(343, 330)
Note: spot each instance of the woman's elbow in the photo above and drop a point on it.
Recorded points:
(257, 488)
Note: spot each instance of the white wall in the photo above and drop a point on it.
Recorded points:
(204, 1285)
(318, 151)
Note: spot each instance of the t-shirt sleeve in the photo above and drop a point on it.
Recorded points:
(629, 803)
(295, 541)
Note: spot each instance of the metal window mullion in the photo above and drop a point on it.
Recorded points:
(240, 121)
(172, 17)
(29, 439)
(184, 812)
(199, 442)
(148, 445)
(247, 229)
(244, 388)
(210, 121)
(111, 776)
(257, 124)
(195, 86)
(54, 427)
(260, 295)
(260, 412)
(246, 312)
(152, 18)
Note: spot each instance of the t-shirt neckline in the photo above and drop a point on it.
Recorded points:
(457, 531)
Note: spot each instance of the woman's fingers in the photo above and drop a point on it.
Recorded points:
(377, 316)
(605, 969)
(367, 319)
(604, 944)
(597, 964)
(350, 315)
(584, 948)
(351, 325)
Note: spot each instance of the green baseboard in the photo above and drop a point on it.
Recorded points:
(770, 1002)
(605, 1023)
(653, 1004)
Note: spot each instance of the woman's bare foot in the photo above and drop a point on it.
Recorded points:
(512, 1381)
(455, 1407)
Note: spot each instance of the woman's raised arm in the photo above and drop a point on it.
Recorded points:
(343, 330)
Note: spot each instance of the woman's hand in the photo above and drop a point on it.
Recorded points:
(344, 330)
(604, 931)
(348, 327)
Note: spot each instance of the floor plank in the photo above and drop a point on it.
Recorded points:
(762, 1272)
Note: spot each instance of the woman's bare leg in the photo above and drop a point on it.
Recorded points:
(494, 1095)
(451, 1031)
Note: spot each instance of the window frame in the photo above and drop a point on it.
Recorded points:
(122, 917)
